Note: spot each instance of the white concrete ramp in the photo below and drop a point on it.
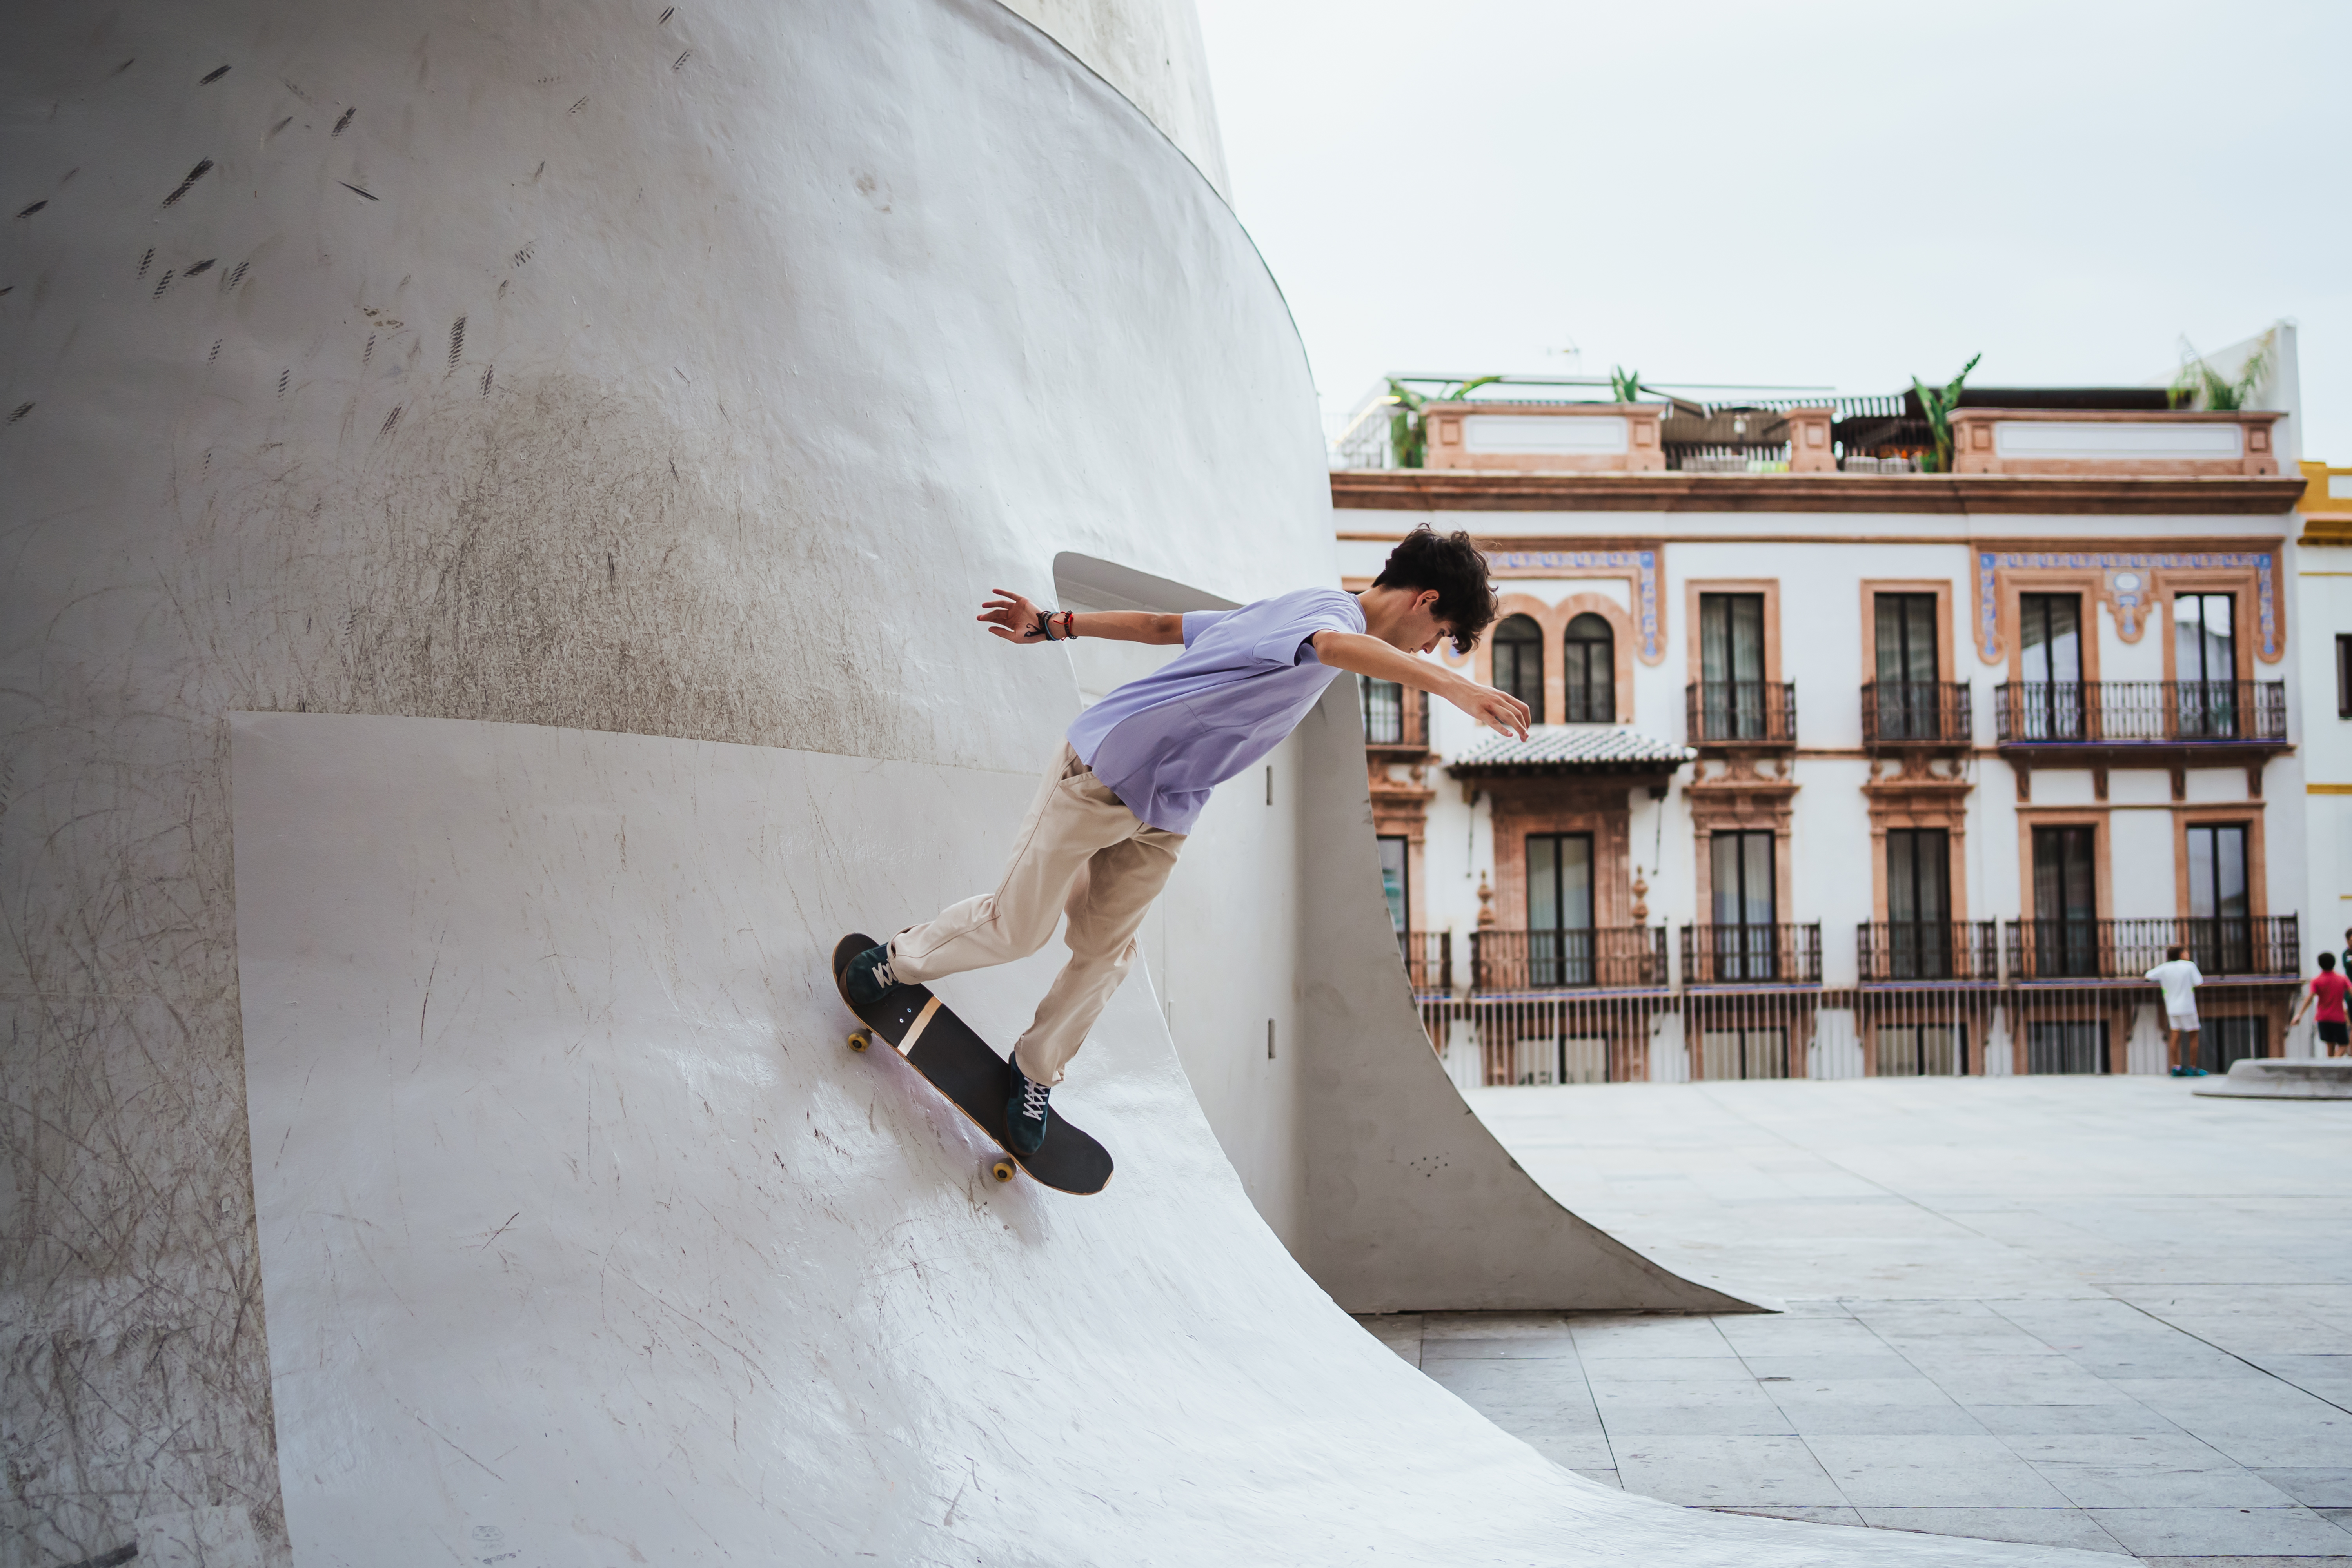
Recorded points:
(588, 1241)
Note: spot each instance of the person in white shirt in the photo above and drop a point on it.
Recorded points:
(2181, 977)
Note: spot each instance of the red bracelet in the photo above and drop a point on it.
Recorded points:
(1069, 625)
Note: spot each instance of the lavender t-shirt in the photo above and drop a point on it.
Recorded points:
(1244, 680)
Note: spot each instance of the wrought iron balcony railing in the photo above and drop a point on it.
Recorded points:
(1428, 960)
(1784, 955)
(1894, 951)
(1916, 712)
(1607, 956)
(2128, 949)
(2137, 712)
(1734, 713)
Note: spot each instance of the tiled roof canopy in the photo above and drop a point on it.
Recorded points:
(1571, 748)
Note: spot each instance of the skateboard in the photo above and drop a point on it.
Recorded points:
(977, 1081)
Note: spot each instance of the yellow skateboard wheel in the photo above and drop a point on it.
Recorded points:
(860, 1038)
(1002, 1170)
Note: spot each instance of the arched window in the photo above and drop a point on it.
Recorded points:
(1590, 671)
(1518, 663)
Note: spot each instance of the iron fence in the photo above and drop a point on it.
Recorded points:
(1428, 961)
(1785, 953)
(1729, 712)
(2030, 713)
(1609, 956)
(2126, 949)
(1896, 712)
(1898, 951)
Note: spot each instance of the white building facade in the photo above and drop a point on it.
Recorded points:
(1845, 768)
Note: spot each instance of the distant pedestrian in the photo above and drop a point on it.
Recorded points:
(2328, 989)
(2343, 959)
(2181, 977)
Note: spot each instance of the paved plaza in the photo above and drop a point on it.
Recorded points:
(2087, 1311)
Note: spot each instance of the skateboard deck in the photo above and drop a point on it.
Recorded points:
(957, 1062)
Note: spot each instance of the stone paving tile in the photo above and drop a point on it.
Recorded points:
(2258, 1423)
(1838, 1419)
(1686, 1410)
(2018, 1380)
(2191, 1531)
(1665, 1369)
(1947, 1470)
(2246, 1562)
(2033, 1526)
(1778, 1366)
(2312, 1488)
(2175, 1449)
(1400, 1332)
(1716, 1472)
(1569, 1450)
(1808, 1515)
(2224, 1485)
(2123, 1414)
(1610, 1338)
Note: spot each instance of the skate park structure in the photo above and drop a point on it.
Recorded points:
(498, 502)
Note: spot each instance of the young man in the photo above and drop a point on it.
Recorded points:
(1136, 769)
(2179, 977)
(2328, 991)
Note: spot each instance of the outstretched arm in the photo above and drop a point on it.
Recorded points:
(1362, 655)
(1016, 619)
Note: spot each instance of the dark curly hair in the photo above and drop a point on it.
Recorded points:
(1455, 567)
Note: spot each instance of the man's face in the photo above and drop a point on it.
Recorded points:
(1421, 630)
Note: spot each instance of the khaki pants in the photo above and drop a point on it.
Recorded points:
(1080, 853)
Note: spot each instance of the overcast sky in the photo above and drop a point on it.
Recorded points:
(1817, 193)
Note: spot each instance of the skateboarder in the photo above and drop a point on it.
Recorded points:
(2328, 991)
(2179, 978)
(1135, 769)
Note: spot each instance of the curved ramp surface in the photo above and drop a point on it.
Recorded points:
(589, 1241)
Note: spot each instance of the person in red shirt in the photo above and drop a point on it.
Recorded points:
(2328, 989)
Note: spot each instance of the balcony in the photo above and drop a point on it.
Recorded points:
(2141, 714)
(1783, 954)
(1428, 961)
(1607, 958)
(2128, 949)
(1742, 713)
(1904, 713)
(1903, 951)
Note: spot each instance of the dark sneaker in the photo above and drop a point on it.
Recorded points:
(2199, 1072)
(2180, 1072)
(867, 979)
(1025, 1112)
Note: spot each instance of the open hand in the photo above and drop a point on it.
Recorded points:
(1013, 618)
(1496, 709)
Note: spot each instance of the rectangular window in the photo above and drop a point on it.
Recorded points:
(1919, 904)
(2205, 666)
(1560, 909)
(2064, 927)
(1745, 940)
(1743, 1054)
(1905, 688)
(1921, 1050)
(2220, 935)
(1395, 870)
(2224, 1041)
(1383, 712)
(1731, 665)
(2050, 635)
(2343, 675)
(2066, 1045)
